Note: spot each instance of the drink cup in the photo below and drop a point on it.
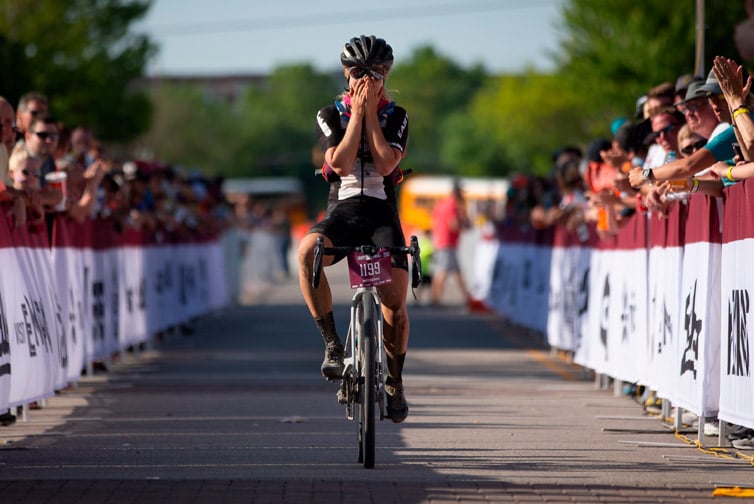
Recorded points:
(57, 180)
(678, 184)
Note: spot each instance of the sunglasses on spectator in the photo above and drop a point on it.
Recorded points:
(44, 135)
(691, 148)
(665, 131)
(33, 173)
(359, 72)
(34, 113)
(691, 107)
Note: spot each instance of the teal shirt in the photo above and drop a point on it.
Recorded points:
(722, 149)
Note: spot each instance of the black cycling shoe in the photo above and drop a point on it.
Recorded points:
(332, 366)
(397, 407)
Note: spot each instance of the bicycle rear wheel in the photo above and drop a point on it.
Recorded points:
(368, 382)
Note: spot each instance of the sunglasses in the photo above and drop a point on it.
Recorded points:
(359, 72)
(44, 135)
(664, 131)
(691, 148)
(692, 107)
(28, 172)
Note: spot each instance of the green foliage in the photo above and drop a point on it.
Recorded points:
(278, 121)
(81, 54)
(432, 88)
(615, 51)
(191, 131)
(514, 124)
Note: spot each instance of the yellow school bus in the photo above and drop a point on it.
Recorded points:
(485, 198)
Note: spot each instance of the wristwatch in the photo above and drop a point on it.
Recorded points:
(647, 175)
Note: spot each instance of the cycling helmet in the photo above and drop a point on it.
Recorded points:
(366, 51)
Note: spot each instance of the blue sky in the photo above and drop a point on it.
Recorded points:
(242, 36)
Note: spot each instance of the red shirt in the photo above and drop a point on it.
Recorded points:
(444, 214)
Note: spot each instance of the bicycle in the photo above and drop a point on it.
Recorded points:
(365, 362)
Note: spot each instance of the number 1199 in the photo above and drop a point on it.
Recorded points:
(369, 269)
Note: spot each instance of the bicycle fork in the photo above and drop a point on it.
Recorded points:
(352, 366)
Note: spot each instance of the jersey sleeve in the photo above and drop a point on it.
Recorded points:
(396, 129)
(329, 130)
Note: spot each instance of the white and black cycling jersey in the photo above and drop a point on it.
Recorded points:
(363, 179)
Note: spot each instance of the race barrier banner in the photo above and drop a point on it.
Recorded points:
(569, 288)
(697, 362)
(520, 277)
(665, 303)
(737, 286)
(616, 313)
(91, 293)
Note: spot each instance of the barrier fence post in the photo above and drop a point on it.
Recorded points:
(617, 388)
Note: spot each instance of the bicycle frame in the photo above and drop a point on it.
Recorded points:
(352, 358)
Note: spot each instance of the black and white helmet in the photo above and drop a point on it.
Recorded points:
(367, 51)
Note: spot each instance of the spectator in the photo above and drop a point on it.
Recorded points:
(24, 171)
(736, 86)
(665, 126)
(701, 119)
(698, 112)
(7, 138)
(30, 105)
(449, 218)
(682, 84)
(658, 98)
(81, 145)
(688, 143)
(41, 140)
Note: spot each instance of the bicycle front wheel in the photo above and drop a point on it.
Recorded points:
(367, 337)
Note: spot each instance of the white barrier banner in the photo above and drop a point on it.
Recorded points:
(697, 361)
(616, 320)
(67, 267)
(570, 264)
(737, 287)
(485, 254)
(664, 296)
(133, 320)
(664, 313)
(736, 380)
(520, 282)
(33, 320)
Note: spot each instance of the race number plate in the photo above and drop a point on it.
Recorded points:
(368, 271)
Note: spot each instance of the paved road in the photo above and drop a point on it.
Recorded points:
(237, 412)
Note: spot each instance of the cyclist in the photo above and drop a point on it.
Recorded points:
(363, 136)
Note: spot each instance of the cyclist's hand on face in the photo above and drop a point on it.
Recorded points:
(374, 92)
(359, 97)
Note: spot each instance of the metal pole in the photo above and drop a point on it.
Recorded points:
(700, 23)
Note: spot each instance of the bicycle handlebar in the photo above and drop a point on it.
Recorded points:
(415, 266)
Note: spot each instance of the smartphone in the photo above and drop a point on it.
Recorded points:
(737, 150)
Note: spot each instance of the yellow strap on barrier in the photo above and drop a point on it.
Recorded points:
(733, 492)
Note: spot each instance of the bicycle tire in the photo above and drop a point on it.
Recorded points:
(367, 338)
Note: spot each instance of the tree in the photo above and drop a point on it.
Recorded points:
(513, 125)
(191, 131)
(613, 52)
(81, 54)
(278, 127)
(432, 88)
(278, 121)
